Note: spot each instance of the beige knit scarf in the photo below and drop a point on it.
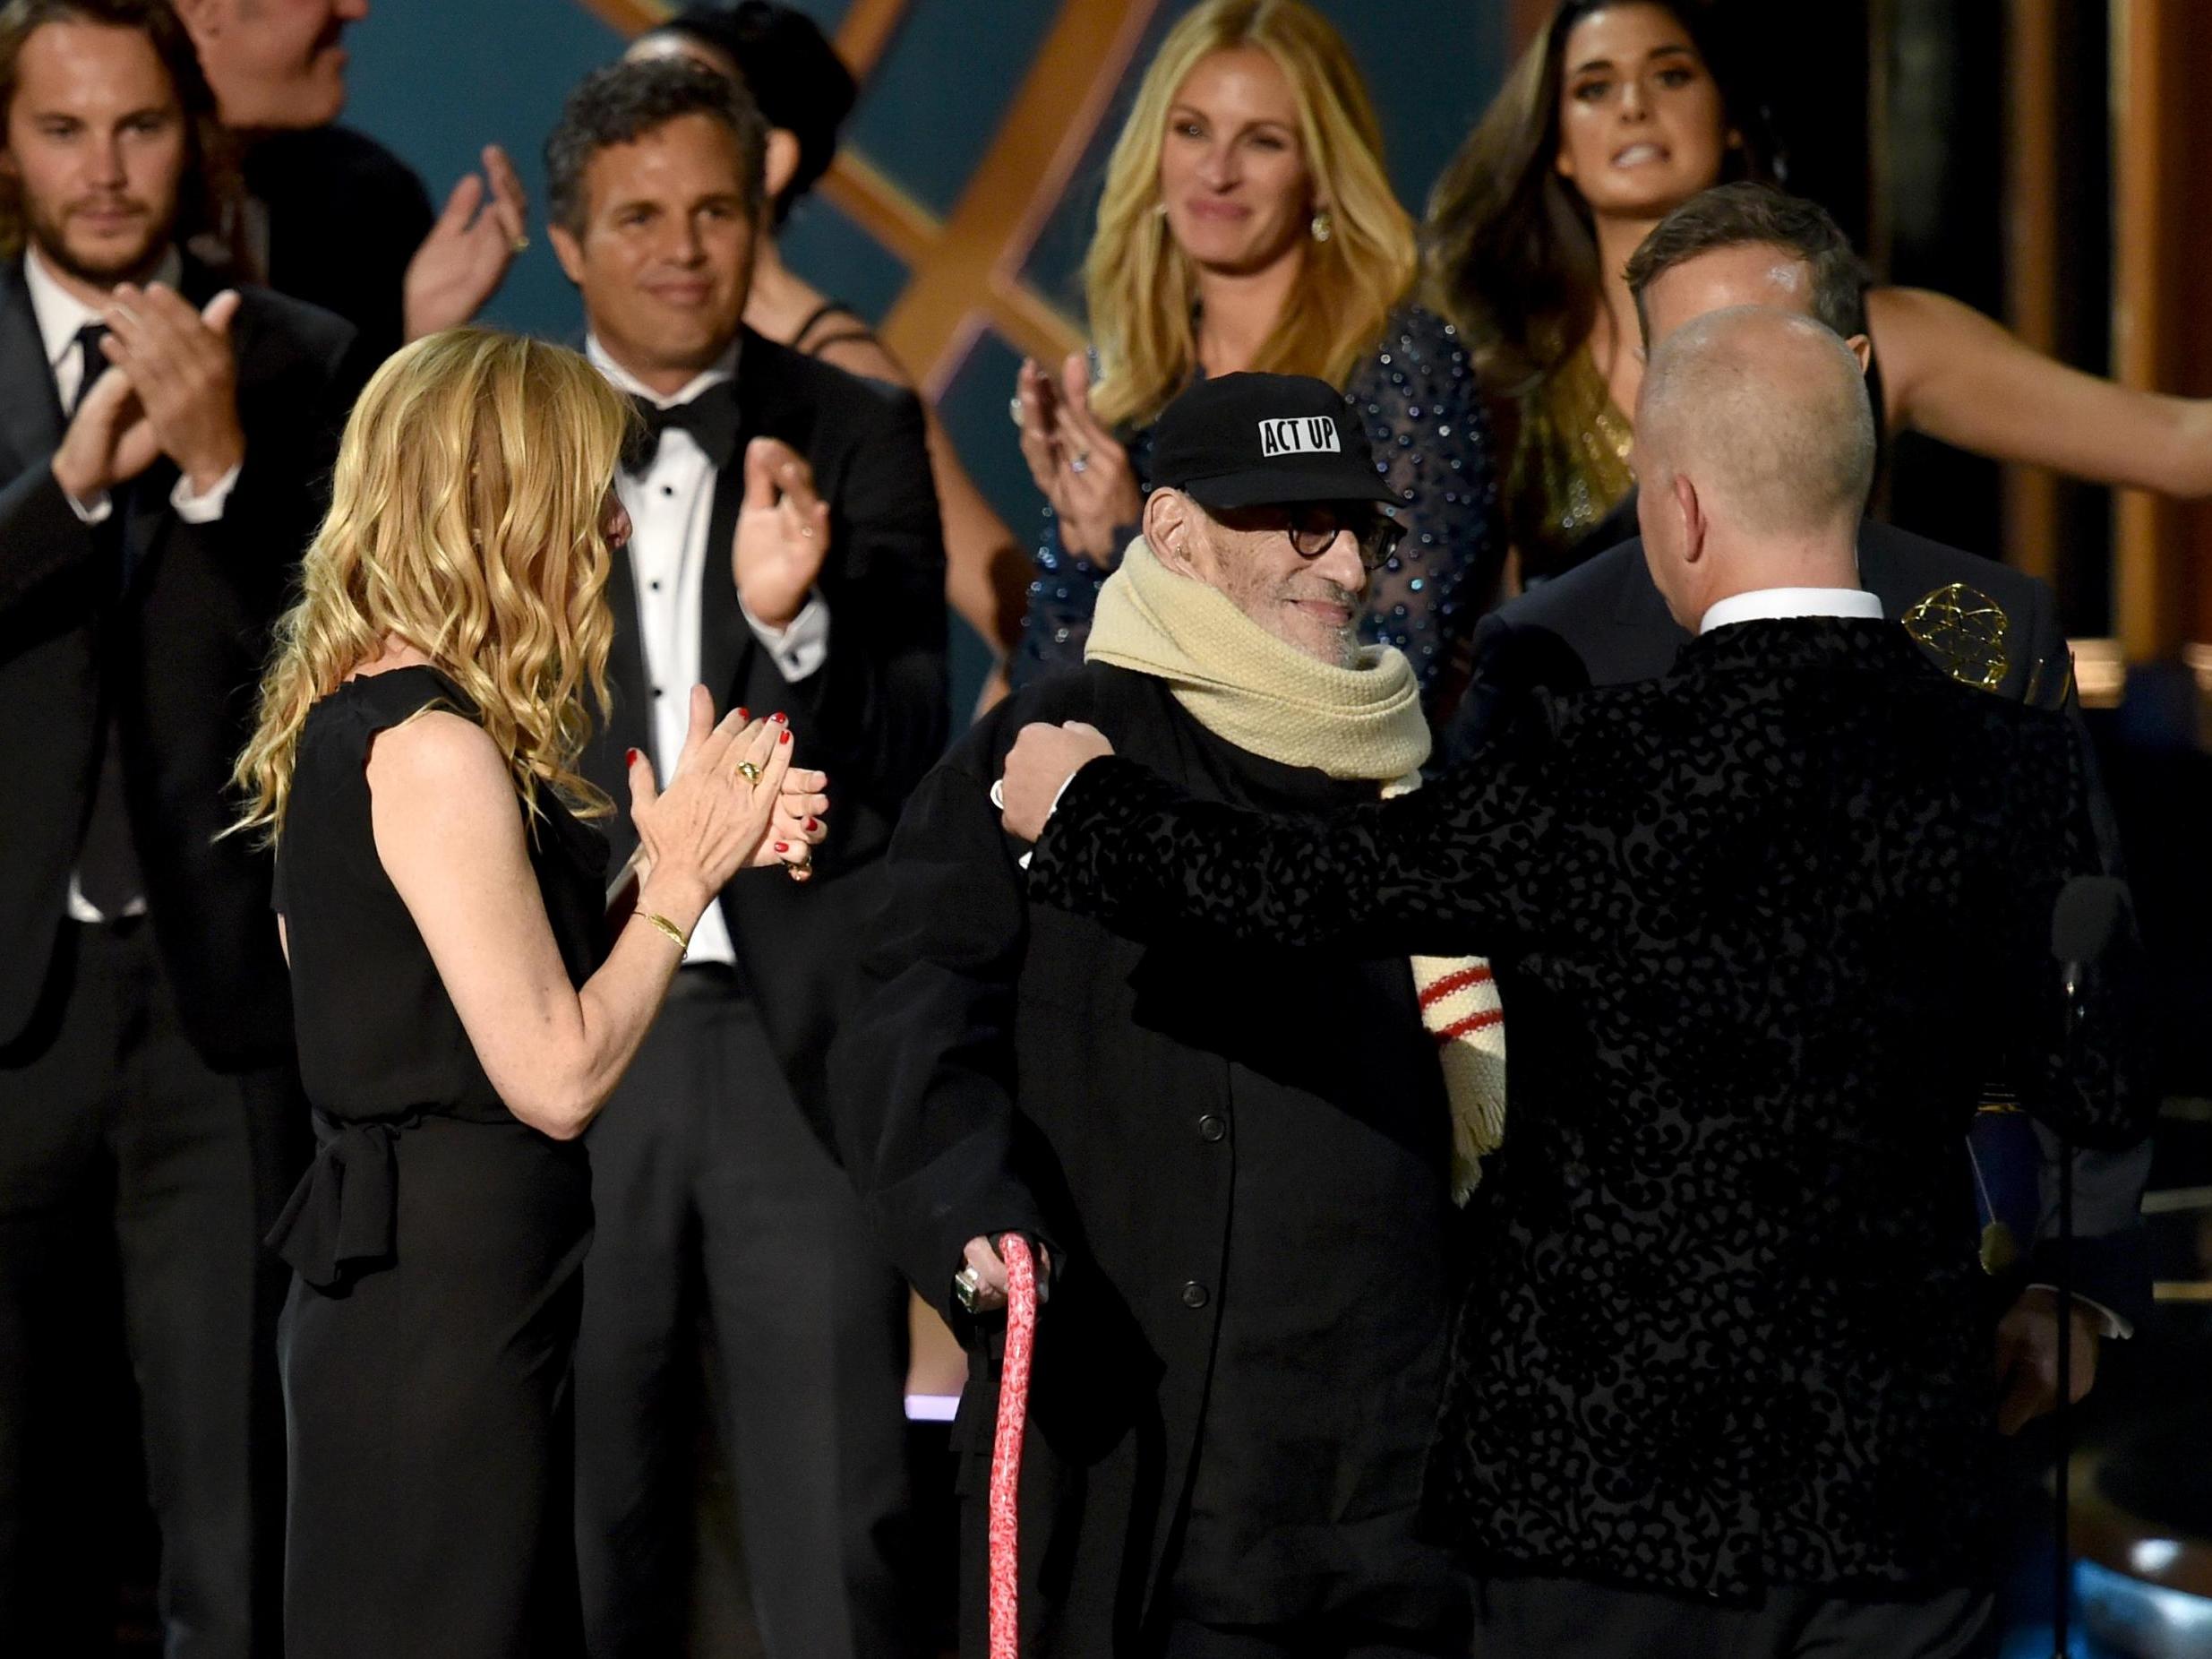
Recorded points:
(1250, 689)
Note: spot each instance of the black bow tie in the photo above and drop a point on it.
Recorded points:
(711, 419)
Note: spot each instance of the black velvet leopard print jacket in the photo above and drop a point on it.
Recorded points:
(1764, 930)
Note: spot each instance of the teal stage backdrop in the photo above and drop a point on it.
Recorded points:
(438, 79)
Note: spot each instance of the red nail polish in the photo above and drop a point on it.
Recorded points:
(740, 711)
(783, 846)
(778, 718)
(785, 738)
(811, 823)
(629, 757)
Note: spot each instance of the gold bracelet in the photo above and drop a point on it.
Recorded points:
(682, 942)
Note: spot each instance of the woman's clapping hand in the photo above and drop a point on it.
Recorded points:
(732, 788)
(1084, 471)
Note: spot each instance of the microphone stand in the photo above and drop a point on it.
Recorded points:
(2061, 1570)
(2075, 982)
(2088, 911)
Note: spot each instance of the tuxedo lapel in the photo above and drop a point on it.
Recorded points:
(627, 682)
(31, 409)
(725, 641)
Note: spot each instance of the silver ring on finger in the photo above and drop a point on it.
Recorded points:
(1081, 462)
(1014, 410)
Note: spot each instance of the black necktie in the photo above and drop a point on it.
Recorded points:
(93, 360)
(711, 419)
(108, 868)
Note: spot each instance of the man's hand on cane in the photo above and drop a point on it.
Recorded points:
(981, 1284)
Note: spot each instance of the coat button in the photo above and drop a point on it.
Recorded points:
(1193, 1294)
(1212, 1128)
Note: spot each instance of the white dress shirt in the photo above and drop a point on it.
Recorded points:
(670, 505)
(60, 315)
(1776, 604)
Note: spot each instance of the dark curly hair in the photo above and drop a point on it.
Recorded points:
(1512, 255)
(795, 74)
(208, 194)
(623, 102)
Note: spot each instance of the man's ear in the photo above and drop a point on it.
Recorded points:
(1691, 511)
(783, 160)
(1171, 529)
(569, 251)
(203, 18)
(1863, 349)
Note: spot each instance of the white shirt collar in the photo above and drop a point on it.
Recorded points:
(1772, 604)
(61, 315)
(724, 367)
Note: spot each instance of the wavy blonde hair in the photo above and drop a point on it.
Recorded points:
(468, 519)
(1141, 288)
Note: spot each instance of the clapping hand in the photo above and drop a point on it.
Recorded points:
(713, 818)
(783, 533)
(171, 388)
(1083, 470)
(1037, 768)
(796, 828)
(465, 257)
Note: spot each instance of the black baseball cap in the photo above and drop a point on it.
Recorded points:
(1263, 441)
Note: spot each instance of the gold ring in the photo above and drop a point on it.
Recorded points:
(749, 771)
(521, 244)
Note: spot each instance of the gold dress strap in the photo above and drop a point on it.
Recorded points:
(1570, 463)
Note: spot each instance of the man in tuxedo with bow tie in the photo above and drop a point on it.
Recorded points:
(785, 550)
(161, 443)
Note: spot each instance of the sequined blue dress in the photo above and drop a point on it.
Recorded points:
(1416, 397)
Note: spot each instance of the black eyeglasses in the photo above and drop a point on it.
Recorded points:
(1313, 526)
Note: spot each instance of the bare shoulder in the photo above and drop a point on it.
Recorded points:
(443, 767)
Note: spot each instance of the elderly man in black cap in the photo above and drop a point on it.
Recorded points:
(1240, 1161)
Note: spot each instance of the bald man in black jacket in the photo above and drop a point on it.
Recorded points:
(1988, 625)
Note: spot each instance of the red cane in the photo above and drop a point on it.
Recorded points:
(1006, 1453)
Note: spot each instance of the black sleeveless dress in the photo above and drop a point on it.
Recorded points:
(437, 1244)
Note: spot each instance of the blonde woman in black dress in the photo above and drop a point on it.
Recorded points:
(465, 1001)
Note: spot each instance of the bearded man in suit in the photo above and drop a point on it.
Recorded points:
(164, 439)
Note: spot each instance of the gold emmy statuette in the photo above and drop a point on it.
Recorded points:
(1965, 632)
(2000, 1249)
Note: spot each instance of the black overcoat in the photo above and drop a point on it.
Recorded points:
(1016, 1068)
